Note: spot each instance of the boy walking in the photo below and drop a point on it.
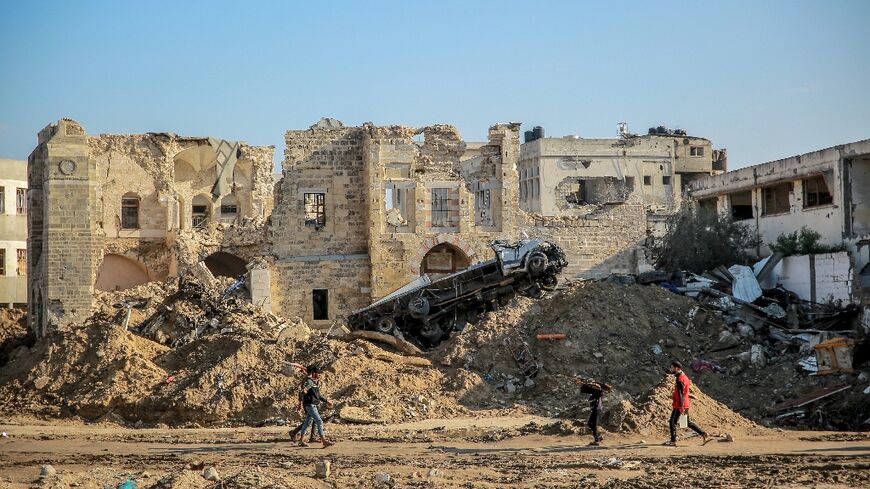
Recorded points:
(310, 398)
(681, 404)
(596, 392)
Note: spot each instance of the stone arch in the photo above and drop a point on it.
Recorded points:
(429, 243)
(443, 259)
(223, 264)
(117, 272)
(230, 209)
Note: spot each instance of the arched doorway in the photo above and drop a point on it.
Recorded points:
(223, 264)
(443, 259)
(119, 273)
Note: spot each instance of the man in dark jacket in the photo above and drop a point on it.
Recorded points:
(596, 392)
(310, 398)
(681, 404)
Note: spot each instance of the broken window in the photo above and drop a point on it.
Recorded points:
(816, 192)
(315, 210)
(647, 180)
(229, 208)
(629, 184)
(666, 179)
(21, 200)
(741, 205)
(440, 207)
(483, 205)
(396, 204)
(576, 193)
(2, 200)
(130, 211)
(696, 151)
(320, 303)
(21, 260)
(2, 262)
(200, 211)
(775, 199)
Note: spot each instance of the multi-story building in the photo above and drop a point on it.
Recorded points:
(13, 233)
(565, 176)
(827, 191)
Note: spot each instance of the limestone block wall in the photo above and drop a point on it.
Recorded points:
(294, 280)
(394, 158)
(597, 244)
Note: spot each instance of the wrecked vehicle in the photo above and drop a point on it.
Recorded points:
(427, 311)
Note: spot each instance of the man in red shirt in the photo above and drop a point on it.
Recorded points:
(681, 404)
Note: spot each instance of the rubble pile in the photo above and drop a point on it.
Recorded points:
(212, 360)
(627, 335)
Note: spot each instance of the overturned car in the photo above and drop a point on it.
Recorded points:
(427, 311)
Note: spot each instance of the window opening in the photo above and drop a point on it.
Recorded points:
(440, 207)
(315, 210)
(776, 199)
(741, 206)
(816, 192)
(21, 200)
(320, 303)
(130, 213)
(21, 259)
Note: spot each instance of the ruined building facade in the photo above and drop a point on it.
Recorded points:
(13, 233)
(357, 213)
(110, 212)
(361, 211)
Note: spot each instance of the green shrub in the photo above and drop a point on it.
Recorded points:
(803, 242)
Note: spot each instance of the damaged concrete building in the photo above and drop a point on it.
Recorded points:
(13, 233)
(110, 212)
(827, 191)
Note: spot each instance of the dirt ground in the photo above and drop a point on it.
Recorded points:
(463, 453)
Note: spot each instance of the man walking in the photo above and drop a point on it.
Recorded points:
(596, 392)
(681, 404)
(310, 397)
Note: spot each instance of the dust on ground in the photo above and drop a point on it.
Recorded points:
(449, 453)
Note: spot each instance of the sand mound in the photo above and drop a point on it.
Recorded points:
(651, 414)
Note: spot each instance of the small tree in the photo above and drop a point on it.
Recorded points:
(803, 242)
(700, 239)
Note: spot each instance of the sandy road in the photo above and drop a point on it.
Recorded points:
(436, 453)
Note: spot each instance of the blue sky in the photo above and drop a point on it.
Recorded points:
(764, 79)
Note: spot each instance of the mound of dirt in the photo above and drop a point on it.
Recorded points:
(100, 371)
(651, 414)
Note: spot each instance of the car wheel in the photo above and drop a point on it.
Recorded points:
(385, 325)
(537, 263)
(419, 307)
(431, 333)
(549, 283)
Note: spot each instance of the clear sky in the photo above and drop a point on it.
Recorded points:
(764, 79)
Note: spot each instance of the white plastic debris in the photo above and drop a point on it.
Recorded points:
(745, 286)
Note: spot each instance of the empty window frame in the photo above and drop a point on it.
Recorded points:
(130, 212)
(483, 206)
(21, 200)
(696, 151)
(2, 200)
(2, 262)
(647, 180)
(315, 209)
(229, 208)
(200, 211)
(741, 205)
(629, 184)
(816, 192)
(440, 207)
(775, 199)
(21, 260)
(666, 180)
(320, 304)
(707, 205)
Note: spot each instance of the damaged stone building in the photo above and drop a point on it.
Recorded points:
(110, 212)
(827, 191)
(359, 211)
